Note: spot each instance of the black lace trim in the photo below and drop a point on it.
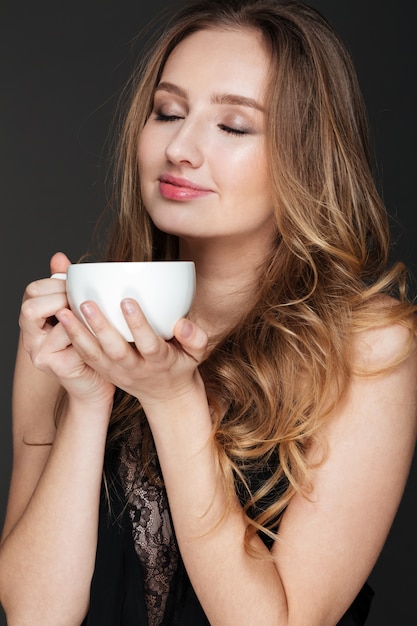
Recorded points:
(152, 529)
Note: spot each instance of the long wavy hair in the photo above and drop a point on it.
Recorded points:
(270, 377)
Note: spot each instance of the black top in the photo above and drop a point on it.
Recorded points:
(117, 591)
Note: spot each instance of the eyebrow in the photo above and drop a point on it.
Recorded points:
(219, 98)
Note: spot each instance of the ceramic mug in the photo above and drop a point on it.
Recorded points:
(163, 289)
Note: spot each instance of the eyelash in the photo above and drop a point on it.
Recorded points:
(159, 117)
(233, 131)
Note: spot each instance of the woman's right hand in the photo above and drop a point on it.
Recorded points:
(48, 343)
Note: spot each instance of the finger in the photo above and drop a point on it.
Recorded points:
(81, 338)
(192, 338)
(100, 350)
(58, 339)
(146, 340)
(42, 352)
(35, 311)
(59, 263)
(43, 287)
(111, 341)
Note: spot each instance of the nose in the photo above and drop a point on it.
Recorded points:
(184, 146)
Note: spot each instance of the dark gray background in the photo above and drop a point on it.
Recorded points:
(62, 67)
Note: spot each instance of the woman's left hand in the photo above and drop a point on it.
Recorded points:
(153, 370)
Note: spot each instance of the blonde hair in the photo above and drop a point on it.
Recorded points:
(277, 368)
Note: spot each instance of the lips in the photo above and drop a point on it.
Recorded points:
(176, 188)
(181, 182)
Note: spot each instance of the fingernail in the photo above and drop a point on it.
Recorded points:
(129, 307)
(63, 318)
(88, 310)
(186, 329)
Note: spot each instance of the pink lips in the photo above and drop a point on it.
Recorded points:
(174, 188)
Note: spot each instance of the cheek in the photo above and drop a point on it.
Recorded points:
(233, 167)
(144, 150)
(248, 172)
(260, 177)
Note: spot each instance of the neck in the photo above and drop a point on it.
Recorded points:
(226, 283)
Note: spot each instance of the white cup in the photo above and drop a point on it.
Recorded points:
(163, 289)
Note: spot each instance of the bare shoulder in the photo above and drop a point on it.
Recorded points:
(385, 346)
(384, 374)
(380, 400)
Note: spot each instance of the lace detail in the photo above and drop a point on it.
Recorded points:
(153, 535)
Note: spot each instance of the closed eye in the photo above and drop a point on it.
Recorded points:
(234, 131)
(160, 117)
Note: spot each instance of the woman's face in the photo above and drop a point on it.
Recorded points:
(202, 153)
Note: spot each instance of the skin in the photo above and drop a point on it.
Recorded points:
(49, 539)
(215, 139)
(212, 138)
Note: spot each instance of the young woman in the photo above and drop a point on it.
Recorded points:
(254, 464)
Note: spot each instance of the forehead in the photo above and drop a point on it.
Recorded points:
(220, 59)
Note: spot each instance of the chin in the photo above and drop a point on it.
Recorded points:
(176, 227)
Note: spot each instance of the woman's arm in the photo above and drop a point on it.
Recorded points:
(49, 539)
(329, 542)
